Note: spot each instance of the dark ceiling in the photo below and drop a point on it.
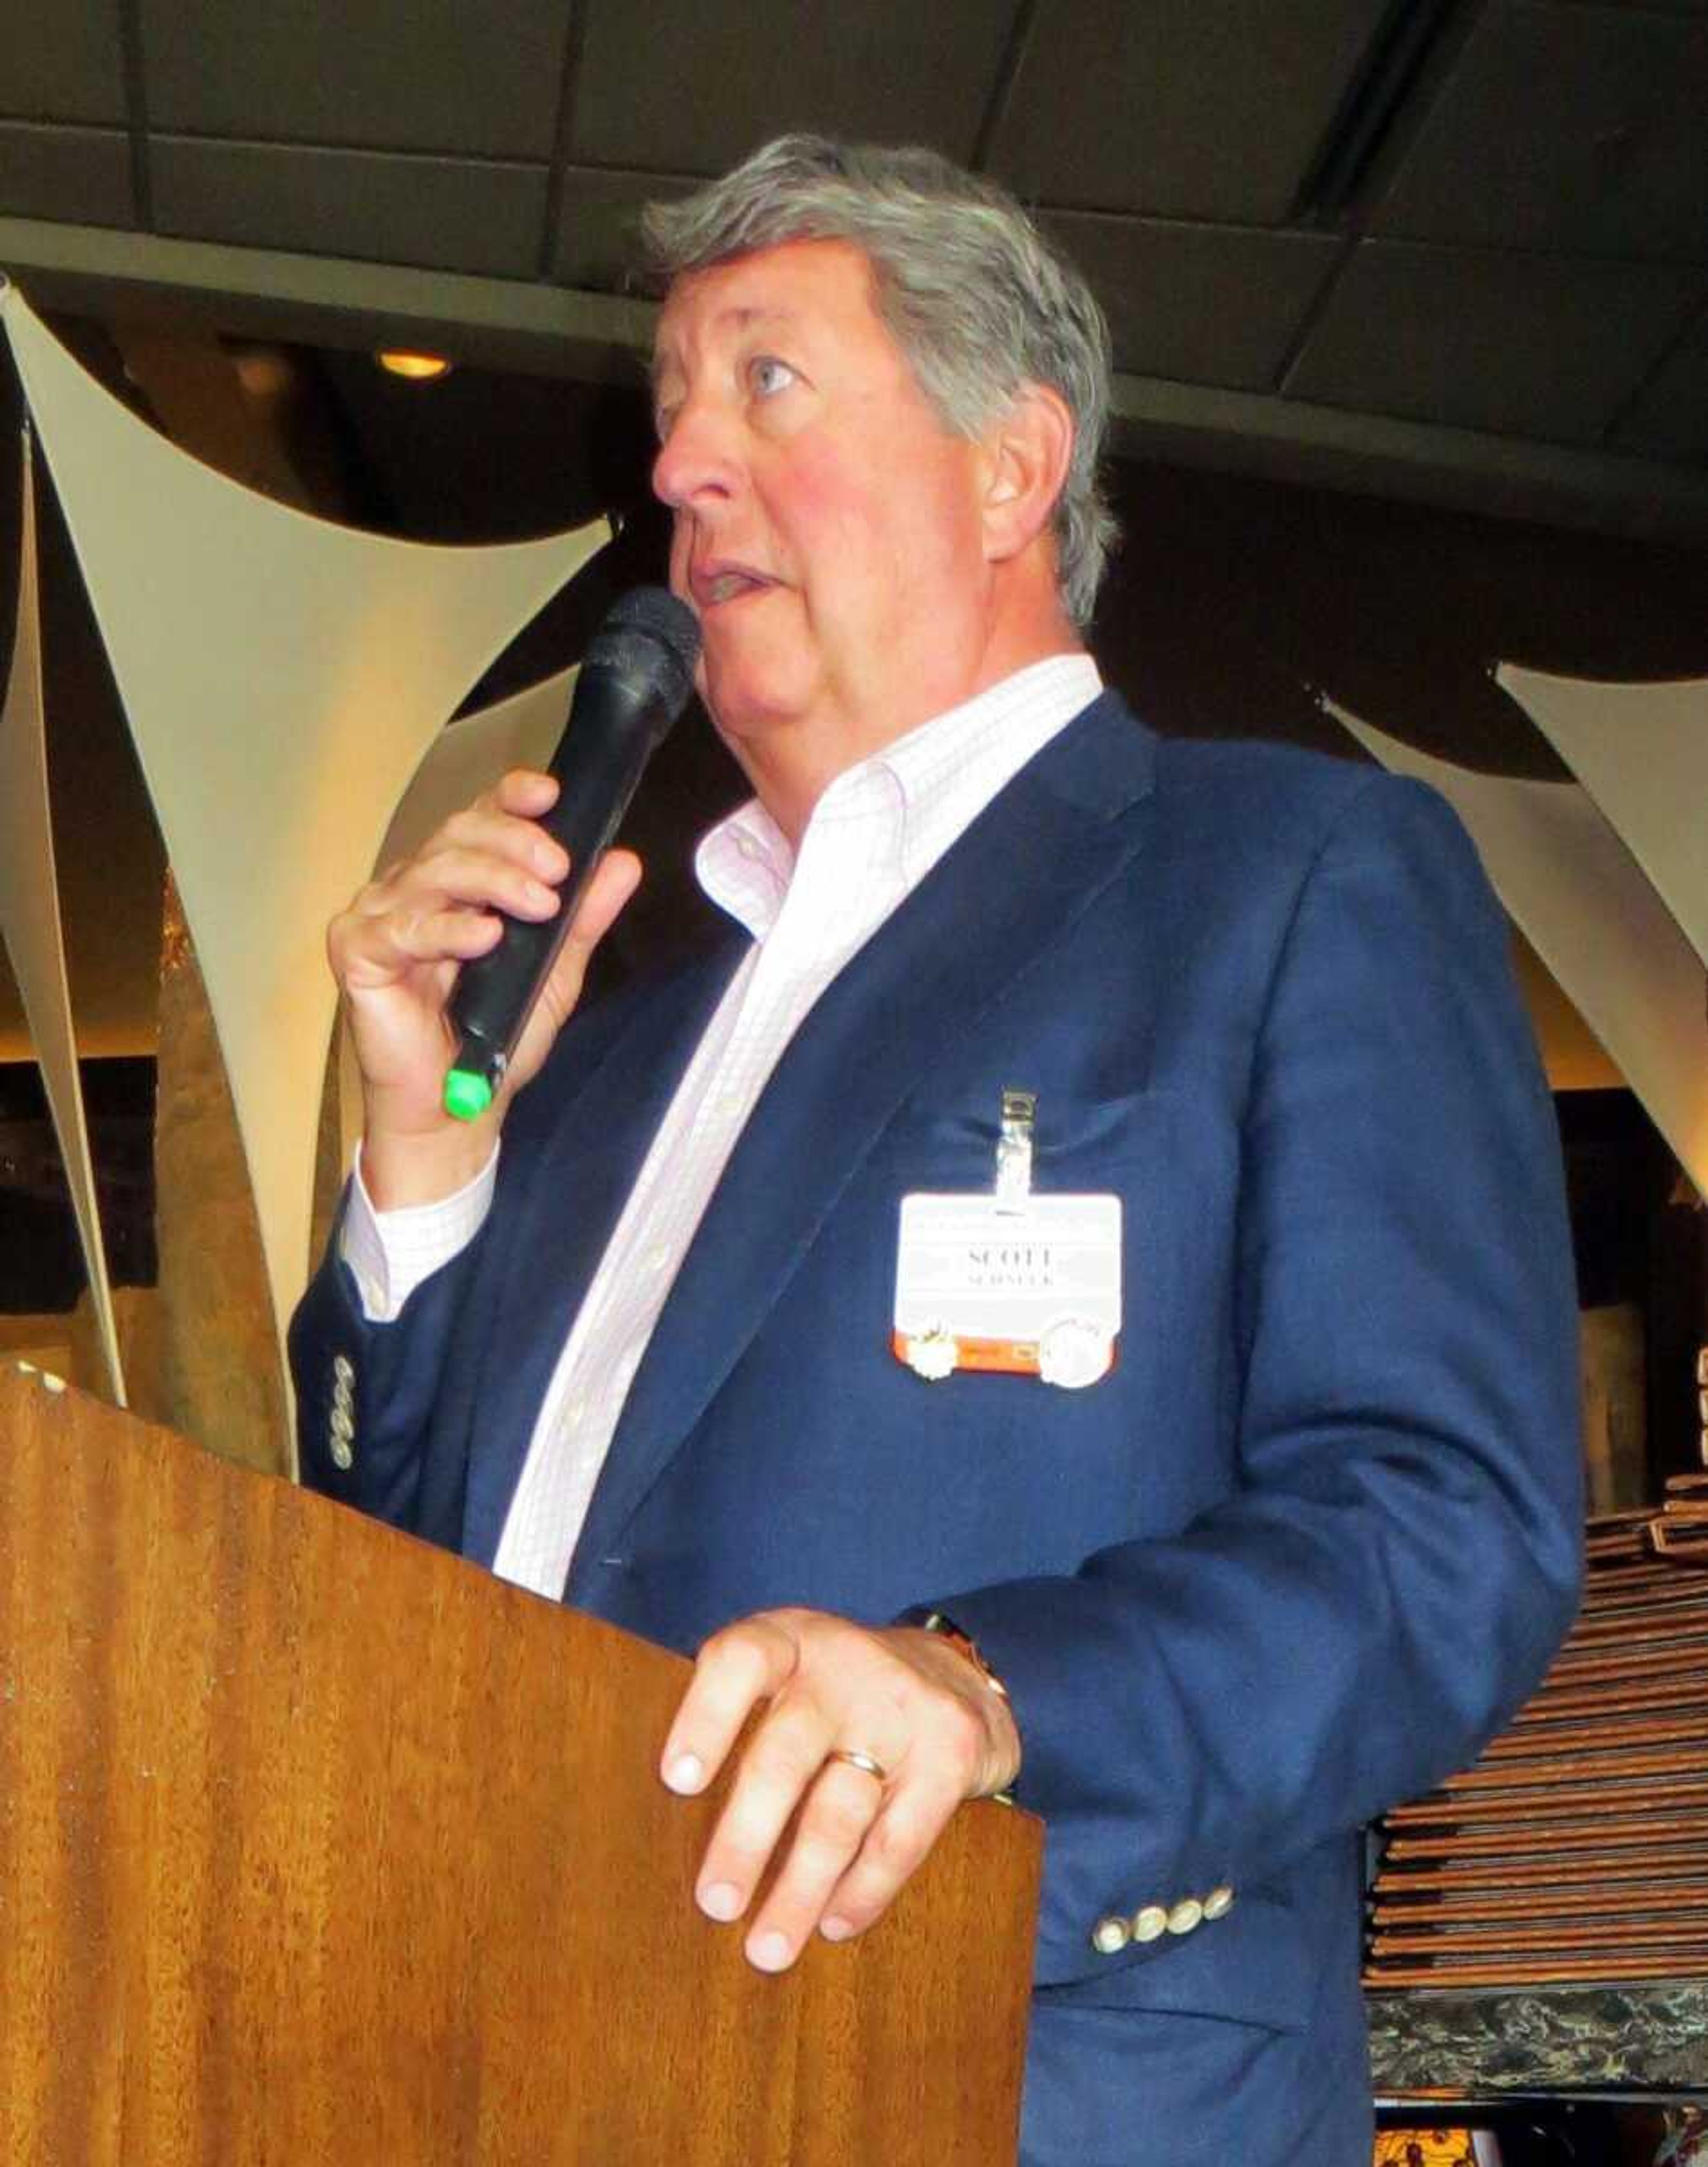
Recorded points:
(1411, 302)
(1450, 247)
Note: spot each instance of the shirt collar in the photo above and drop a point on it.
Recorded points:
(927, 788)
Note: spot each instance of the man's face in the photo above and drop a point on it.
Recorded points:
(828, 528)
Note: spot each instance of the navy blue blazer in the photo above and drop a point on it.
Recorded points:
(1306, 1546)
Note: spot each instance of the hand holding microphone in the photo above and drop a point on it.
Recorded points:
(634, 682)
(484, 886)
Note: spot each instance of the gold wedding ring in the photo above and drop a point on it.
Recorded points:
(863, 1761)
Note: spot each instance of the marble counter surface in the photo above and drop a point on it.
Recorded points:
(1542, 2039)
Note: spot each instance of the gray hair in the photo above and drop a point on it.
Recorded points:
(977, 300)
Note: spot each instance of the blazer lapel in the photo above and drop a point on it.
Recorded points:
(560, 1226)
(1014, 883)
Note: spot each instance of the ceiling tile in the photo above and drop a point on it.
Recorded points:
(1201, 304)
(1669, 415)
(1547, 346)
(61, 60)
(404, 75)
(435, 212)
(599, 225)
(1176, 107)
(1580, 128)
(79, 174)
(684, 88)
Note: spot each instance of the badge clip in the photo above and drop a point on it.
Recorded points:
(1014, 1150)
(1007, 1281)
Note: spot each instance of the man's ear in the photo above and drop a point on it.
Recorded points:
(1029, 448)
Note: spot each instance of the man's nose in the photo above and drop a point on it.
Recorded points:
(695, 460)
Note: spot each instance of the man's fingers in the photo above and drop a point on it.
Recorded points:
(785, 1761)
(615, 881)
(445, 906)
(846, 1834)
(379, 952)
(897, 1845)
(736, 1669)
(525, 791)
(843, 1808)
(464, 857)
(856, 1843)
(468, 873)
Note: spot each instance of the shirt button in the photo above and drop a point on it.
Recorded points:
(1218, 1902)
(1110, 1935)
(1185, 1915)
(1149, 1923)
(658, 1257)
(343, 1454)
(342, 1368)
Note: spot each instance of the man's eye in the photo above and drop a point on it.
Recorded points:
(769, 376)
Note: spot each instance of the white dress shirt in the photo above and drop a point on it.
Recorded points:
(873, 836)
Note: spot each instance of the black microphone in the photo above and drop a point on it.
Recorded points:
(635, 681)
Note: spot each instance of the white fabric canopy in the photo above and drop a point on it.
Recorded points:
(282, 678)
(471, 755)
(1593, 916)
(1642, 753)
(30, 919)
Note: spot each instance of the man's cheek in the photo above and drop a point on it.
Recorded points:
(679, 543)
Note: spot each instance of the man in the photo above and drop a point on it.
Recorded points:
(1279, 1518)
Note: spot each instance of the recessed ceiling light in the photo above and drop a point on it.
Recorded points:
(263, 371)
(414, 368)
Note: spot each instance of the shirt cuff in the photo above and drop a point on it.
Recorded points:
(390, 1253)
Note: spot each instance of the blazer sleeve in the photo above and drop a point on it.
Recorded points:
(371, 1397)
(1402, 1555)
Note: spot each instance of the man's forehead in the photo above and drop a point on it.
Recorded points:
(781, 288)
(731, 321)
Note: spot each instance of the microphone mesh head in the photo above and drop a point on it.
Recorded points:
(653, 613)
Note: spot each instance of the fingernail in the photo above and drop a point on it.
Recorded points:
(769, 1951)
(722, 1899)
(540, 895)
(685, 1774)
(546, 858)
(836, 1930)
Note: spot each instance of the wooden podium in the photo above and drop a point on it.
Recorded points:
(318, 1846)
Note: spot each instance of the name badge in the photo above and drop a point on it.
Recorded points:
(1011, 1281)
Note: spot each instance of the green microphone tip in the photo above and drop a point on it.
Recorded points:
(467, 1095)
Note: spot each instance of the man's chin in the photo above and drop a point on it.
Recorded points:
(748, 704)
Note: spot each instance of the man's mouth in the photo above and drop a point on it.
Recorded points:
(727, 584)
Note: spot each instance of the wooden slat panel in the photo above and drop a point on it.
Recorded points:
(1605, 1869)
(1546, 1771)
(1574, 1849)
(1685, 1687)
(1523, 1839)
(1684, 1901)
(1676, 1956)
(1544, 1735)
(1542, 1807)
(1528, 1971)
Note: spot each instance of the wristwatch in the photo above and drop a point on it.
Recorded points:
(962, 1643)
